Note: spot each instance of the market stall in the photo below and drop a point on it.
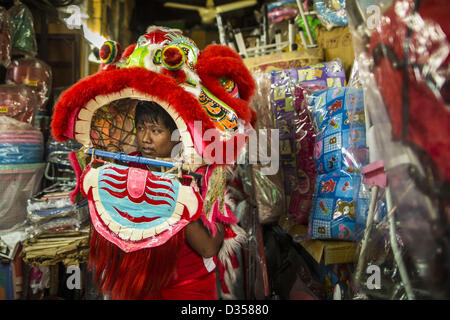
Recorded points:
(333, 182)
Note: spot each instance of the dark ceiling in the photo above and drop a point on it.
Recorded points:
(153, 12)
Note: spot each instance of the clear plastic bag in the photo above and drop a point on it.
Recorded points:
(17, 184)
(285, 100)
(268, 190)
(19, 144)
(340, 200)
(403, 67)
(23, 35)
(35, 74)
(305, 135)
(71, 217)
(18, 102)
(21, 169)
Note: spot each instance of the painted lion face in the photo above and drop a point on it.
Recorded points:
(205, 92)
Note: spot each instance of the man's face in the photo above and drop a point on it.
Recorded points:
(154, 139)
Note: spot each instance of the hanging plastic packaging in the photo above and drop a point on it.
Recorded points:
(328, 74)
(340, 203)
(281, 11)
(338, 117)
(305, 136)
(21, 169)
(5, 37)
(35, 74)
(403, 65)
(18, 102)
(268, 190)
(19, 144)
(23, 34)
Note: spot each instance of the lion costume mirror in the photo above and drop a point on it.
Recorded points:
(138, 210)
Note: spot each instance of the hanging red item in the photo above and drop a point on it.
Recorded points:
(18, 102)
(411, 59)
(34, 73)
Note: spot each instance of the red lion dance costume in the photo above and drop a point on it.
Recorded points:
(139, 216)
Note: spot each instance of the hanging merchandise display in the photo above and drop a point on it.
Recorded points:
(5, 37)
(402, 67)
(52, 207)
(35, 74)
(18, 102)
(330, 74)
(23, 36)
(268, 190)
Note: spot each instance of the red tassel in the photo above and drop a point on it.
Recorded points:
(135, 275)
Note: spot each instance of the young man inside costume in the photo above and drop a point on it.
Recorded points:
(160, 235)
(154, 130)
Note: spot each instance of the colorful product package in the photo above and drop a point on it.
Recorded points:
(341, 200)
(338, 117)
(328, 74)
(301, 200)
(340, 207)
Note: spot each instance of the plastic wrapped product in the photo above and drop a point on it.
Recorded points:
(18, 102)
(5, 37)
(21, 147)
(19, 144)
(45, 218)
(301, 200)
(17, 184)
(281, 11)
(23, 34)
(338, 116)
(35, 74)
(331, 12)
(284, 98)
(404, 70)
(340, 207)
(268, 190)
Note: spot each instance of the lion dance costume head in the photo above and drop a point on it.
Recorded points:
(138, 216)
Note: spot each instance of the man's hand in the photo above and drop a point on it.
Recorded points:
(200, 239)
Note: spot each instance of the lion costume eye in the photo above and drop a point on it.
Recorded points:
(157, 57)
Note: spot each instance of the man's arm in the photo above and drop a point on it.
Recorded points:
(200, 239)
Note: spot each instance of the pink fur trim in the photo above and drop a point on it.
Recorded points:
(77, 168)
